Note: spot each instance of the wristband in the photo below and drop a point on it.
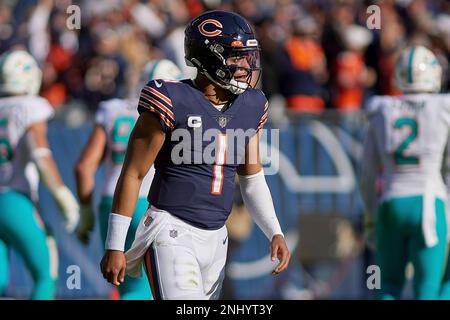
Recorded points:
(118, 225)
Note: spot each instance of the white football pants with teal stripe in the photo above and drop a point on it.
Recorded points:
(22, 230)
(399, 239)
(131, 288)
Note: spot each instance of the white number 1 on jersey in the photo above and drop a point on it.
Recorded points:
(221, 155)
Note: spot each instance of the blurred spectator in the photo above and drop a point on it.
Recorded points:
(352, 75)
(269, 50)
(61, 49)
(383, 52)
(303, 68)
(104, 78)
(39, 37)
(6, 28)
(339, 16)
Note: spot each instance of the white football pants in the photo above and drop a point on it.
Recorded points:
(185, 262)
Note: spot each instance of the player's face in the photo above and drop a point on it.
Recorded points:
(242, 69)
(244, 63)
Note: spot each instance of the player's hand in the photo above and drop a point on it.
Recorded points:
(86, 224)
(113, 266)
(280, 251)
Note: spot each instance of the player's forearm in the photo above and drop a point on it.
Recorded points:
(49, 174)
(88, 163)
(258, 200)
(42, 157)
(85, 183)
(124, 203)
(61, 193)
(47, 169)
(126, 194)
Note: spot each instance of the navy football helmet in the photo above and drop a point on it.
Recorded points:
(218, 43)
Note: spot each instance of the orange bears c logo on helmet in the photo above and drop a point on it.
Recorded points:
(213, 33)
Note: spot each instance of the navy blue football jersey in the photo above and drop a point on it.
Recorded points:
(195, 168)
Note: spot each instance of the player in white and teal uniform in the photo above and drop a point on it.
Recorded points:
(445, 289)
(406, 139)
(115, 119)
(24, 156)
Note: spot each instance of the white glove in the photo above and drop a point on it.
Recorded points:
(68, 206)
(86, 224)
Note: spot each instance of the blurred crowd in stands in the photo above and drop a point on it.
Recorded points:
(315, 54)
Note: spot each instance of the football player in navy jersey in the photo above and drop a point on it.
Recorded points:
(198, 134)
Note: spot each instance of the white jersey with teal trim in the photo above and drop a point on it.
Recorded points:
(17, 114)
(117, 117)
(407, 137)
(411, 133)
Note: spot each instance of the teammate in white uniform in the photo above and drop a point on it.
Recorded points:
(115, 119)
(24, 155)
(406, 139)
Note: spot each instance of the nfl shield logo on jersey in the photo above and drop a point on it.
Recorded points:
(148, 221)
(223, 120)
